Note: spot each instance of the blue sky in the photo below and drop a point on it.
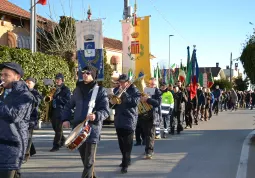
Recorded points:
(216, 27)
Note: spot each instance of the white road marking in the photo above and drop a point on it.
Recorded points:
(243, 163)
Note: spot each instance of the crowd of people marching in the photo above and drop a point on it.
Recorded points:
(187, 111)
(174, 106)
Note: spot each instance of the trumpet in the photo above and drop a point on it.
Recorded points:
(49, 98)
(1, 88)
(117, 98)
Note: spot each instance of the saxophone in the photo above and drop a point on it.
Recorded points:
(49, 98)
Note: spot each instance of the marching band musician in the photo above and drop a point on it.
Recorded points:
(34, 117)
(167, 106)
(80, 100)
(153, 119)
(16, 106)
(60, 98)
(125, 118)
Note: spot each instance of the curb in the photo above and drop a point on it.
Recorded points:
(243, 163)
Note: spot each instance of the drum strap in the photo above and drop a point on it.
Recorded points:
(92, 101)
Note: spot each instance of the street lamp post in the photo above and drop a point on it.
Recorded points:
(169, 52)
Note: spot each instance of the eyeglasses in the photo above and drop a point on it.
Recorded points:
(86, 72)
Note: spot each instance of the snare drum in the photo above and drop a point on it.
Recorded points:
(78, 136)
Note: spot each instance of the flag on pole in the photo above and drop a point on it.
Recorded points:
(130, 74)
(188, 59)
(165, 76)
(194, 74)
(157, 75)
(42, 2)
(182, 75)
(210, 80)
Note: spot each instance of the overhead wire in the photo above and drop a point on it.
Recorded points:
(163, 16)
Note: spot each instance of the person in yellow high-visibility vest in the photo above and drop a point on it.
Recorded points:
(167, 105)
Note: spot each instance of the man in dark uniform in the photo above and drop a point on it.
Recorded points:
(16, 106)
(34, 117)
(60, 98)
(125, 118)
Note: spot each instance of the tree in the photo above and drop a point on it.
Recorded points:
(107, 73)
(240, 84)
(248, 57)
(223, 84)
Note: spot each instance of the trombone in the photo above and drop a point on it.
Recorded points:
(1, 88)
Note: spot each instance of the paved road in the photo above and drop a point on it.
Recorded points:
(211, 149)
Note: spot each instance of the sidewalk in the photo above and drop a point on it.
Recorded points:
(251, 162)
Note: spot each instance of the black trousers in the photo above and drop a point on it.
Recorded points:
(149, 133)
(188, 117)
(59, 138)
(177, 115)
(8, 174)
(88, 156)
(125, 138)
(139, 134)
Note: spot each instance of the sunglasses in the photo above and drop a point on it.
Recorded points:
(86, 72)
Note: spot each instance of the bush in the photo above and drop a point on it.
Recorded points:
(223, 84)
(38, 66)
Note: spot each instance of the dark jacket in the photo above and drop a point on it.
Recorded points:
(60, 98)
(155, 101)
(191, 104)
(204, 100)
(80, 101)
(179, 99)
(126, 113)
(15, 113)
(35, 114)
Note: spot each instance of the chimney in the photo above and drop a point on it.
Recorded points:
(217, 64)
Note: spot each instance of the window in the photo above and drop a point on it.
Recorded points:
(17, 22)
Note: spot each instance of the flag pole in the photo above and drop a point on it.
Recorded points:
(32, 26)
(35, 26)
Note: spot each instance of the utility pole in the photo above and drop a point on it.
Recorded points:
(169, 52)
(230, 73)
(33, 25)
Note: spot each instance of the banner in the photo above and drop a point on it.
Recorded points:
(128, 62)
(140, 47)
(89, 39)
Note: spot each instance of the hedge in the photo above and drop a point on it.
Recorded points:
(38, 66)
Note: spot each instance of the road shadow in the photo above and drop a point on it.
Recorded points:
(173, 155)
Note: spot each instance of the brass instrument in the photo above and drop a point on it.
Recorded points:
(49, 98)
(143, 107)
(1, 88)
(117, 96)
